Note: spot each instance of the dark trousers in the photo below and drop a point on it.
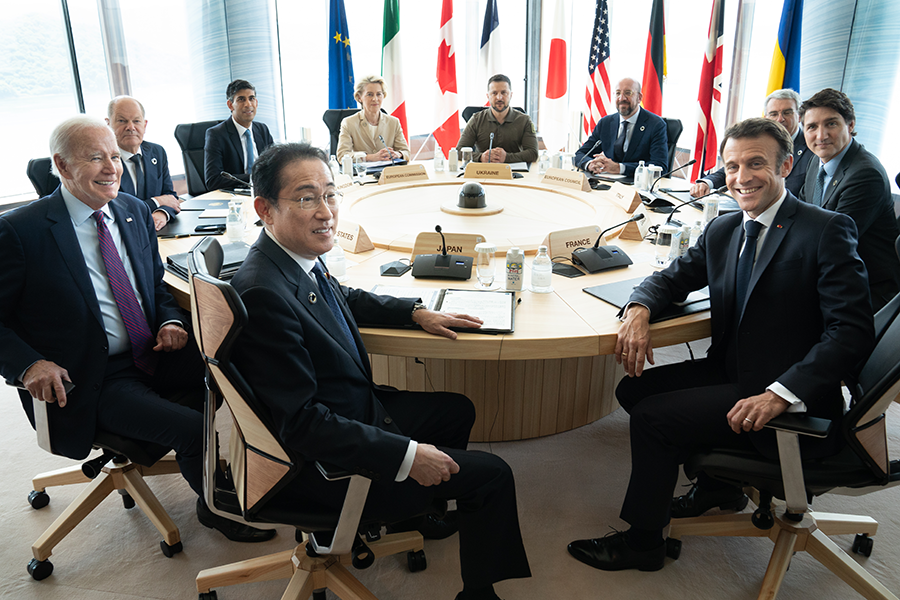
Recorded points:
(675, 410)
(165, 409)
(490, 543)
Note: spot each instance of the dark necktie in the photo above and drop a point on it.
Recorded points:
(619, 147)
(248, 145)
(138, 175)
(819, 190)
(332, 303)
(745, 262)
(139, 335)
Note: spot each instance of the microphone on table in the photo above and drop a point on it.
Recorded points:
(443, 265)
(590, 153)
(490, 146)
(443, 241)
(240, 182)
(685, 165)
(692, 200)
(600, 258)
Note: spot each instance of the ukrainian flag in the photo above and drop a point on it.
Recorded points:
(785, 71)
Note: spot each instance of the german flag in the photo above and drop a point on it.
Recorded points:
(655, 60)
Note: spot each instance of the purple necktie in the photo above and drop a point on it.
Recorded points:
(142, 341)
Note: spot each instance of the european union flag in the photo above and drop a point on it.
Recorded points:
(340, 61)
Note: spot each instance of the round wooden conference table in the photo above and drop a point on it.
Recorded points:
(557, 370)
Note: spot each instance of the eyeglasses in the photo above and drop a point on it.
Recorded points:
(786, 113)
(626, 93)
(332, 200)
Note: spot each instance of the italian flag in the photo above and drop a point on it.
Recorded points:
(391, 64)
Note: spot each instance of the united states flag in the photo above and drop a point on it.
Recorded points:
(596, 94)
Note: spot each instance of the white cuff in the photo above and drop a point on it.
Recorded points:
(796, 404)
(407, 463)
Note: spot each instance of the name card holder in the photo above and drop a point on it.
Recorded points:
(477, 170)
(342, 181)
(624, 196)
(352, 237)
(570, 179)
(564, 241)
(429, 242)
(636, 230)
(402, 173)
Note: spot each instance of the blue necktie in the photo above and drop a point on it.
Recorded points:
(332, 303)
(248, 146)
(619, 146)
(819, 191)
(745, 262)
(138, 175)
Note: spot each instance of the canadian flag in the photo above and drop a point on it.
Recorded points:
(447, 133)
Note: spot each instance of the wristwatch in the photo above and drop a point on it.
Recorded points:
(416, 306)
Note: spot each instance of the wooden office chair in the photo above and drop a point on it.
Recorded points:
(121, 467)
(192, 138)
(862, 466)
(673, 132)
(333, 118)
(260, 466)
(43, 180)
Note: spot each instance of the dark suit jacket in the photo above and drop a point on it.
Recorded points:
(319, 392)
(860, 188)
(224, 151)
(807, 319)
(157, 181)
(795, 179)
(649, 142)
(48, 308)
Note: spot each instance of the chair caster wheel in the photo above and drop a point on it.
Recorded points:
(363, 557)
(862, 544)
(416, 561)
(673, 548)
(40, 569)
(38, 499)
(170, 551)
(210, 595)
(762, 519)
(127, 500)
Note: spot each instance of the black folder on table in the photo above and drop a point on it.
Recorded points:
(188, 222)
(235, 253)
(619, 292)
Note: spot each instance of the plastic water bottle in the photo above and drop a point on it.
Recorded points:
(337, 262)
(333, 163)
(696, 230)
(640, 176)
(347, 166)
(543, 163)
(453, 162)
(542, 272)
(234, 224)
(515, 263)
(438, 159)
(710, 208)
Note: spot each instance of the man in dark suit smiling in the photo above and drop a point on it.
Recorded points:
(302, 355)
(790, 317)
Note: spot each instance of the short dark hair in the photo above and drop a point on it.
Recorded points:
(758, 127)
(833, 99)
(500, 77)
(267, 169)
(237, 85)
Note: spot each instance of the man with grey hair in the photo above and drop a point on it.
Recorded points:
(87, 324)
(145, 166)
(620, 141)
(782, 106)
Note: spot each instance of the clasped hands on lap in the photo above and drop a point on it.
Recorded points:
(634, 345)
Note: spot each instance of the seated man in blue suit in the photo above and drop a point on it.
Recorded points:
(620, 141)
(82, 300)
(145, 172)
(303, 356)
(782, 106)
(233, 145)
(790, 318)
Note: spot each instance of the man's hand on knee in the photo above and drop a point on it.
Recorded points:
(431, 466)
(634, 344)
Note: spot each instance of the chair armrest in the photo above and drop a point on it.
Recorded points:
(332, 472)
(801, 424)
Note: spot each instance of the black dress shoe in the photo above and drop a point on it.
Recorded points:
(697, 501)
(234, 531)
(612, 553)
(430, 526)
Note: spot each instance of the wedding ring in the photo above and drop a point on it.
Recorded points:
(624, 354)
(749, 421)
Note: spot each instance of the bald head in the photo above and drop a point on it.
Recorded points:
(125, 116)
(628, 97)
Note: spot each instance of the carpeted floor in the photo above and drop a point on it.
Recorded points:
(569, 486)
